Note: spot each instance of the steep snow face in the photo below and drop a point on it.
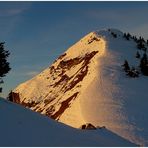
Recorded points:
(115, 100)
(22, 127)
(56, 91)
(87, 84)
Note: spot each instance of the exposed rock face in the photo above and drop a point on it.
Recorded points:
(14, 97)
(64, 105)
(88, 126)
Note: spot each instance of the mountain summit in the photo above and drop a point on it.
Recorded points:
(89, 84)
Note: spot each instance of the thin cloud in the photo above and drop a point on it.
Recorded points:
(118, 15)
(100, 14)
(8, 9)
(32, 73)
(24, 73)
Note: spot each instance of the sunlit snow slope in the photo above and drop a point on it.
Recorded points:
(88, 84)
(22, 127)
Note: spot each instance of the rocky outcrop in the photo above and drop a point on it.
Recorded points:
(88, 126)
(14, 97)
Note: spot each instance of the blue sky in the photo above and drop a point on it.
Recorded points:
(36, 33)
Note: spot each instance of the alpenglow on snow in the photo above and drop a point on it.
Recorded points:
(89, 84)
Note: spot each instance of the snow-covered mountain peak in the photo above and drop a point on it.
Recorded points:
(108, 33)
(90, 42)
(86, 45)
(87, 84)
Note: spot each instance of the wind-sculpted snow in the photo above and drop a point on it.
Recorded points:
(20, 127)
(87, 84)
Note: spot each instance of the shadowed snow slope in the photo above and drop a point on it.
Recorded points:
(22, 127)
(87, 84)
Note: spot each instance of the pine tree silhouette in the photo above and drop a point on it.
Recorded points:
(126, 66)
(4, 64)
(144, 64)
(137, 55)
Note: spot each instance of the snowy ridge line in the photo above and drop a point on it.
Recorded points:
(87, 84)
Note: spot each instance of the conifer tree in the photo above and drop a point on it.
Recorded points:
(4, 64)
(133, 72)
(137, 55)
(126, 66)
(140, 45)
(144, 64)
